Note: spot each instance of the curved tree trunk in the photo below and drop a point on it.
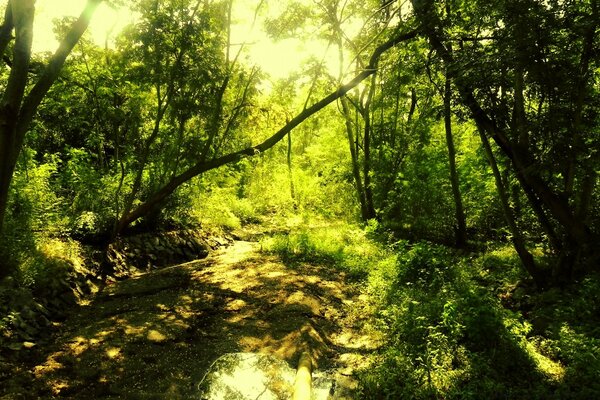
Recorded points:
(17, 108)
(202, 166)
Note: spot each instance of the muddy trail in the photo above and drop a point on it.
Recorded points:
(155, 335)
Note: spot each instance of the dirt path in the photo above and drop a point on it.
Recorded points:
(155, 335)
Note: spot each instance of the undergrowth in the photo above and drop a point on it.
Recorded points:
(460, 326)
(470, 327)
(344, 246)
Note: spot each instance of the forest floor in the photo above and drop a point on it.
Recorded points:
(155, 335)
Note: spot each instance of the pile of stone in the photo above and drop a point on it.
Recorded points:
(145, 252)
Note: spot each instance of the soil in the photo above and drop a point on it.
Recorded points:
(155, 335)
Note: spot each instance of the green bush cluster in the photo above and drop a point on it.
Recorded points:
(449, 337)
(344, 246)
(425, 265)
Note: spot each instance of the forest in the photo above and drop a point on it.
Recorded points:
(435, 162)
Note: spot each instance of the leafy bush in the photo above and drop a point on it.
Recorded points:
(448, 337)
(425, 265)
(344, 246)
(221, 207)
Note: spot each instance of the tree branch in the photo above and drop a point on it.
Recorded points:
(35, 96)
(204, 166)
(6, 28)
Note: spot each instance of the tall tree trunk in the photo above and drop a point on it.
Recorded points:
(581, 82)
(358, 185)
(523, 161)
(352, 139)
(289, 165)
(461, 225)
(21, 17)
(519, 243)
(368, 187)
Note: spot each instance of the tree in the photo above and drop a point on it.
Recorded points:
(18, 105)
(156, 198)
(461, 224)
(513, 94)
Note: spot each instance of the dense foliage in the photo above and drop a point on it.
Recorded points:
(462, 136)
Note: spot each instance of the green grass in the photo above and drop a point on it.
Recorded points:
(344, 246)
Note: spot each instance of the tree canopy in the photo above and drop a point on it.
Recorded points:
(442, 129)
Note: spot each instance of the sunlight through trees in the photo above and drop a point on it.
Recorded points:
(442, 155)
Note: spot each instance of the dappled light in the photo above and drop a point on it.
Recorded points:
(325, 199)
(182, 318)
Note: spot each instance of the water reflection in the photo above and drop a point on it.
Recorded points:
(250, 376)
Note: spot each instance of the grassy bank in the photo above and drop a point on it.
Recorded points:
(460, 326)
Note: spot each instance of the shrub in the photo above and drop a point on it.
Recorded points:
(341, 245)
(449, 337)
(425, 265)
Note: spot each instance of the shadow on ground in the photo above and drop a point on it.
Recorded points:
(156, 335)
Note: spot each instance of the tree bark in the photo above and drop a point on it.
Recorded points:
(21, 13)
(581, 82)
(289, 165)
(368, 187)
(360, 193)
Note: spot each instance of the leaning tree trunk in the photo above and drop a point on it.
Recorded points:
(19, 14)
(17, 108)
(517, 239)
(156, 198)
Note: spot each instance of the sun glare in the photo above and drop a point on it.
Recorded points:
(106, 21)
(277, 58)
